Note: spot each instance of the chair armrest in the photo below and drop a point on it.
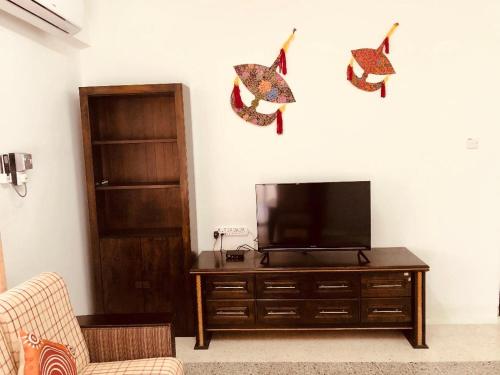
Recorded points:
(124, 337)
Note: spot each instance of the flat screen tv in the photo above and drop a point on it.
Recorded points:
(314, 216)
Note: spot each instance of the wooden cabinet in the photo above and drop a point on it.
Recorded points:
(138, 195)
(121, 261)
(297, 291)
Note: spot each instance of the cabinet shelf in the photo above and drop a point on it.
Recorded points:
(144, 232)
(138, 186)
(134, 141)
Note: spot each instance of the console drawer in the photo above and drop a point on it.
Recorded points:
(288, 286)
(386, 284)
(229, 287)
(307, 313)
(334, 285)
(332, 312)
(279, 313)
(222, 314)
(386, 310)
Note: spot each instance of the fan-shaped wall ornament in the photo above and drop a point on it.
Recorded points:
(372, 61)
(265, 83)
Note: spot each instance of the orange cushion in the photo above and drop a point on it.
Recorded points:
(43, 357)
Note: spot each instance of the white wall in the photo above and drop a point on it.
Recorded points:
(429, 193)
(39, 113)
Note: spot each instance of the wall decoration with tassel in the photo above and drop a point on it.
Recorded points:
(372, 61)
(265, 83)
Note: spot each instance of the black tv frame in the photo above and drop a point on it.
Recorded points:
(362, 258)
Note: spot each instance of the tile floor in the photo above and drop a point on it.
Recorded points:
(448, 343)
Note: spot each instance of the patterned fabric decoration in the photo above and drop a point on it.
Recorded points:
(265, 83)
(372, 61)
(43, 357)
(7, 366)
(110, 344)
(153, 366)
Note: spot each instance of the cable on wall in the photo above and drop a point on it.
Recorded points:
(22, 195)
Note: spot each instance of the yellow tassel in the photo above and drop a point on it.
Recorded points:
(282, 108)
(393, 28)
(386, 79)
(288, 41)
(237, 81)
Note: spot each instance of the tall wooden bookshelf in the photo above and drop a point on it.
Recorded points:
(137, 187)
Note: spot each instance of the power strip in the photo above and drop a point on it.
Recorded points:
(236, 230)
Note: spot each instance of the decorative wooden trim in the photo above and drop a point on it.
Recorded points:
(288, 270)
(199, 308)
(184, 191)
(419, 302)
(98, 297)
(405, 328)
(131, 89)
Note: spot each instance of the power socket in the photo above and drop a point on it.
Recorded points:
(236, 230)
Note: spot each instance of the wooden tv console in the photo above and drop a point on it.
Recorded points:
(311, 291)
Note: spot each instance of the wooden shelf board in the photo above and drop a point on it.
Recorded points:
(138, 186)
(141, 232)
(134, 141)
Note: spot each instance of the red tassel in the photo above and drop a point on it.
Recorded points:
(349, 72)
(282, 63)
(238, 103)
(386, 44)
(382, 90)
(279, 122)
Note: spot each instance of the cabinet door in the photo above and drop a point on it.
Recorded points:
(163, 269)
(121, 264)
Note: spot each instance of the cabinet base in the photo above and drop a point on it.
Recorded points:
(206, 342)
(208, 335)
(410, 336)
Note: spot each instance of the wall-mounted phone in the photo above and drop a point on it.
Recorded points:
(13, 167)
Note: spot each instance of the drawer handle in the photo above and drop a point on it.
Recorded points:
(334, 312)
(387, 311)
(291, 312)
(281, 287)
(230, 313)
(387, 286)
(219, 287)
(342, 286)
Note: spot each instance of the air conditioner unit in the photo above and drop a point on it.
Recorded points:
(57, 16)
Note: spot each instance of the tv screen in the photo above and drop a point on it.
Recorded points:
(314, 216)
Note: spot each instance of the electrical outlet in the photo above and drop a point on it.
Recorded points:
(472, 143)
(236, 230)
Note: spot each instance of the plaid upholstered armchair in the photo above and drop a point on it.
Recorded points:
(42, 305)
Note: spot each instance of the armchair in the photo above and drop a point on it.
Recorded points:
(42, 305)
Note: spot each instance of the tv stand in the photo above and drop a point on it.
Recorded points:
(320, 291)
